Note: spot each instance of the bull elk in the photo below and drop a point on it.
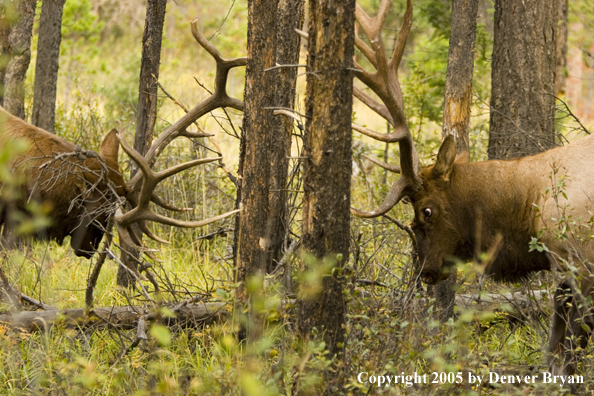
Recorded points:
(462, 208)
(83, 188)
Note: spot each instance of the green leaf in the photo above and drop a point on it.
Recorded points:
(161, 334)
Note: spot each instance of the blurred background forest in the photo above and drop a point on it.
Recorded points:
(98, 81)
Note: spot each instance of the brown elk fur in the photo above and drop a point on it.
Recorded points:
(464, 208)
(75, 184)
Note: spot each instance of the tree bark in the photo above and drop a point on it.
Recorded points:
(327, 168)
(17, 55)
(290, 16)
(47, 64)
(456, 115)
(146, 114)
(523, 78)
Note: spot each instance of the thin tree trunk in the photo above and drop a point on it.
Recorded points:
(19, 50)
(523, 78)
(456, 115)
(47, 64)
(290, 16)
(146, 115)
(327, 169)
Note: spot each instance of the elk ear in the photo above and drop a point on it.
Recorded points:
(110, 147)
(445, 159)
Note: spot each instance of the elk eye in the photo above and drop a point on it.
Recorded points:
(427, 212)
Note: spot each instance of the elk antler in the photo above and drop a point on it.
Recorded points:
(384, 82)
(141, 186)
(150, 180)
(219, 98)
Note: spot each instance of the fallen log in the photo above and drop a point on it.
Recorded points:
(125, 317)
(494, 301)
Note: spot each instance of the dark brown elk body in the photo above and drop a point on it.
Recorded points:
(78, 186)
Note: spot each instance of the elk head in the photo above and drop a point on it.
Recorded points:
(427, 190)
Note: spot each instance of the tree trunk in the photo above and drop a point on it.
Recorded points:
(252, 234)
(523, 78)
(46, 67)
(456, 115)
(290, 16)
(17, 55)
(327, 168)
(146, 115)
(562, 34)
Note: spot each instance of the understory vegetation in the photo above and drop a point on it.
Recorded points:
(390, 329)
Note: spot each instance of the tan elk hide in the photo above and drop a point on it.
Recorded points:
(79, 187)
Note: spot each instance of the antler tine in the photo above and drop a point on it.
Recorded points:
(146, 231)
(394, 196)
(142, 212)
(373, 30)
(386, 166)
(136, 215)
(402, 38)
(364, 48)
(157, 200)
(374, 105)
(393, 137)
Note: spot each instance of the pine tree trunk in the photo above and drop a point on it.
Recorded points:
(327, 167)
(456, 116)
(523, 78)
(18, 51)
(47, 64)
(252, 234)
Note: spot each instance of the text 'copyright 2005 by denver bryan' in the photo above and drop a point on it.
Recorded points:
(409, 380)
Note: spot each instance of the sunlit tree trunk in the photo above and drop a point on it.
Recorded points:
(47, 64)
